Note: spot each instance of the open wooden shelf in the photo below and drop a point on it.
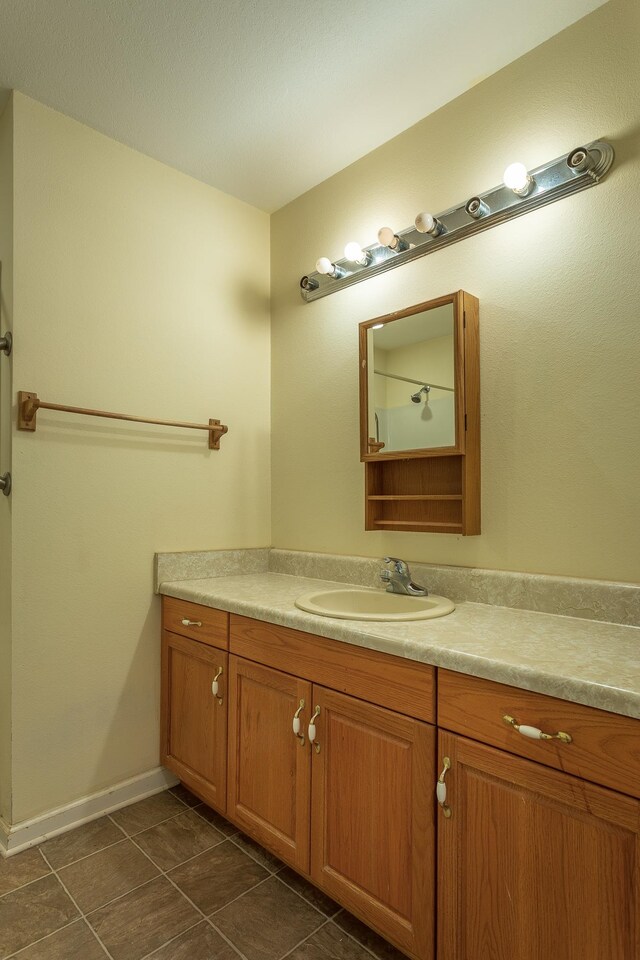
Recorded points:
(422, 494)
(415, 496)
(421, 525)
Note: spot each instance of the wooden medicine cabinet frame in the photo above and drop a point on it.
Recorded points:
(429, 490)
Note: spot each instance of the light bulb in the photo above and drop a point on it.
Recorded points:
(377, 326)
(426, 223)
(324, 265)
(517, 179)
(388, 238)
(354, 252)
(515, 176)
(330, 269)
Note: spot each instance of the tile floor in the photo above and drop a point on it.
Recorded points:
(169, 879)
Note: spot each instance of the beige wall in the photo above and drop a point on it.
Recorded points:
(137, 289)
(6, 322)
(559, 293)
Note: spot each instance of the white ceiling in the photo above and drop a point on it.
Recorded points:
(262, 98)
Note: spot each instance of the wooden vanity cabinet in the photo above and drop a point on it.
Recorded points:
(540, 856)
(353, 809)
(193, 718)
(604, 747)
(372, 823)
(534, 863)
(193, 620)
(349, 809)
(269, 767)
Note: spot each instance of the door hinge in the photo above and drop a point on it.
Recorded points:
(465, 421)
(464, 318)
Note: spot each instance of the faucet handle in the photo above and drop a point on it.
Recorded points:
(400, 565)
(401, 582)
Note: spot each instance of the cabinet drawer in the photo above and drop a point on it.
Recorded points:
(394, 682)
(604, 747)
(196, 621)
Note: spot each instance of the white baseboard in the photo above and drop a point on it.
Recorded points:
(20, 836)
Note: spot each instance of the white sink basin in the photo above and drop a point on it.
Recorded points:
(364, 603)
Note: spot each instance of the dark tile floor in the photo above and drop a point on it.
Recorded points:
(169, 879)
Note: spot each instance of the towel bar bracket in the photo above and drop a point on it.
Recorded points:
(27, 409)
(217, 430)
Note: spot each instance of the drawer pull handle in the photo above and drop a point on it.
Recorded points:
(192, 623)
(312, 730)
(534, 734)
(441, 788)
(297, 724)
(215, 686)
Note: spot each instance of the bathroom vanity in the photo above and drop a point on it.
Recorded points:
(327, 750)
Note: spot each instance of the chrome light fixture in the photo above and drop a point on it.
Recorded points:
(517, 179)
(580, 160)
(329, 269)
(387, 238)
(522, 190)
(476, 208)
(354, 252)
(426, 223)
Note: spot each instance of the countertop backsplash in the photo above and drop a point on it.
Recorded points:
(197, 565)
(606, 601)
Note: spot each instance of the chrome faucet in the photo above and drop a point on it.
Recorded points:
(399, 579)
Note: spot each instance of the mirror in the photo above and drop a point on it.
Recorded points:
(411, 381)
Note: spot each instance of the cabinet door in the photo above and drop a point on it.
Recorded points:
(372, 844)
(533, 863)
(269, 766)
(194, 720)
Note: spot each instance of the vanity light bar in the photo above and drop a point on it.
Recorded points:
(581, 168)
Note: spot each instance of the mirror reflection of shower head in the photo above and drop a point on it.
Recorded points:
(417, 397)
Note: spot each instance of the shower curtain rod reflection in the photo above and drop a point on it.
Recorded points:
(426, 383)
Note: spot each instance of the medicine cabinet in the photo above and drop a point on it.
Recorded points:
(420, 417)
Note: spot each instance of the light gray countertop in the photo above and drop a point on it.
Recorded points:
(585, 661)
